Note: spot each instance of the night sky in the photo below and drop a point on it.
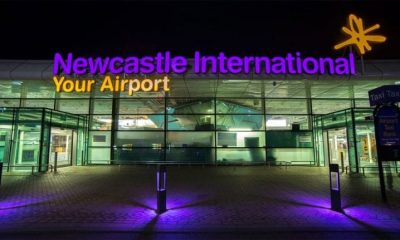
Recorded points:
(35, 30)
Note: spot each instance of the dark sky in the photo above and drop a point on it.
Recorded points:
(35, 30)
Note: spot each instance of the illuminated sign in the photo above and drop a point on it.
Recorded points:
(359, 36)
(112, 69)
(165, 63)
(117, 71)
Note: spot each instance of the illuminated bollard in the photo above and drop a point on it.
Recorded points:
(161, 189)
(334, 181)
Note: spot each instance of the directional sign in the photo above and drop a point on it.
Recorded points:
(387, 130)
(384, 94)
(388, 126)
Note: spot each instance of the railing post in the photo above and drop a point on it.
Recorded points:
(55, 161)
(1, 171)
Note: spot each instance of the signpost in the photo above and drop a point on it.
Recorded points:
(387, 127)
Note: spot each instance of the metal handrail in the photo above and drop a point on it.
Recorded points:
(16, 166)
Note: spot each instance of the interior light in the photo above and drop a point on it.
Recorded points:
(105, 120)
(239, 129)
(276, 123)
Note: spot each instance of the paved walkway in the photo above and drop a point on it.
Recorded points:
(226, 202)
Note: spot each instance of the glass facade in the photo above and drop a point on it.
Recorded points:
(32, 139)
(296, 122)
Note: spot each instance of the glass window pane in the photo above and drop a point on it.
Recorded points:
(140, 122)
(240, 122)
(102, 106)
(101, 122)
(30, 115)
(10, 89)
(141, 106)
(77, 106)
(328, 106)
(9, 102)
(293, 155)
(286, 122)
(190, 106)
(42, 103)
(241, 106)
(39, 89)
(286, 106)
(191, 155)
(190, 122)
(133, 139)
(241, 139)
(291, 139)
(241, 155)
(132, 154)
(99, 155)
(190, 139)
(364, 103)
(100, 138)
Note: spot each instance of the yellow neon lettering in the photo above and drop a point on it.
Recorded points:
(68, 86)
(166, 81)
(133, 89)
(58, 83)
(107, 84)
(90, 83)
(156, 82)
(123, 84)
(149, 84)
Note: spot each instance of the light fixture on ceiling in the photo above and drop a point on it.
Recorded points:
(276, 123)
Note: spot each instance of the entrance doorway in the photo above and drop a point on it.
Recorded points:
(336, 147)
(62, 145)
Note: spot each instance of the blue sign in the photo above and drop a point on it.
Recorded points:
(384, 94)
(388, 126)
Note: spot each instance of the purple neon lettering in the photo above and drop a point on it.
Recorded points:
(309, 61)
(179, 64)
(235, 64)
(66, 67)
(80, 66)
(98, 65)
(118, 69)
(146, 65)
(166, 63)
(352, 64)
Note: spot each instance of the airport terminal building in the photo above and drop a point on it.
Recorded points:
(208, 118)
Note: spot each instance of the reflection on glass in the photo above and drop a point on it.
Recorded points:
(239, 106)
(140, 139)
(240, 139)
(101, 122)
(190, 106)
(191, 122)
(132, 154)
(286, 122)
(243, 122)
(240, 155)
(140, 122)
(191, 155)
(190, 139)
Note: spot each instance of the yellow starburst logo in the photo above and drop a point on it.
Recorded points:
(358, 35)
